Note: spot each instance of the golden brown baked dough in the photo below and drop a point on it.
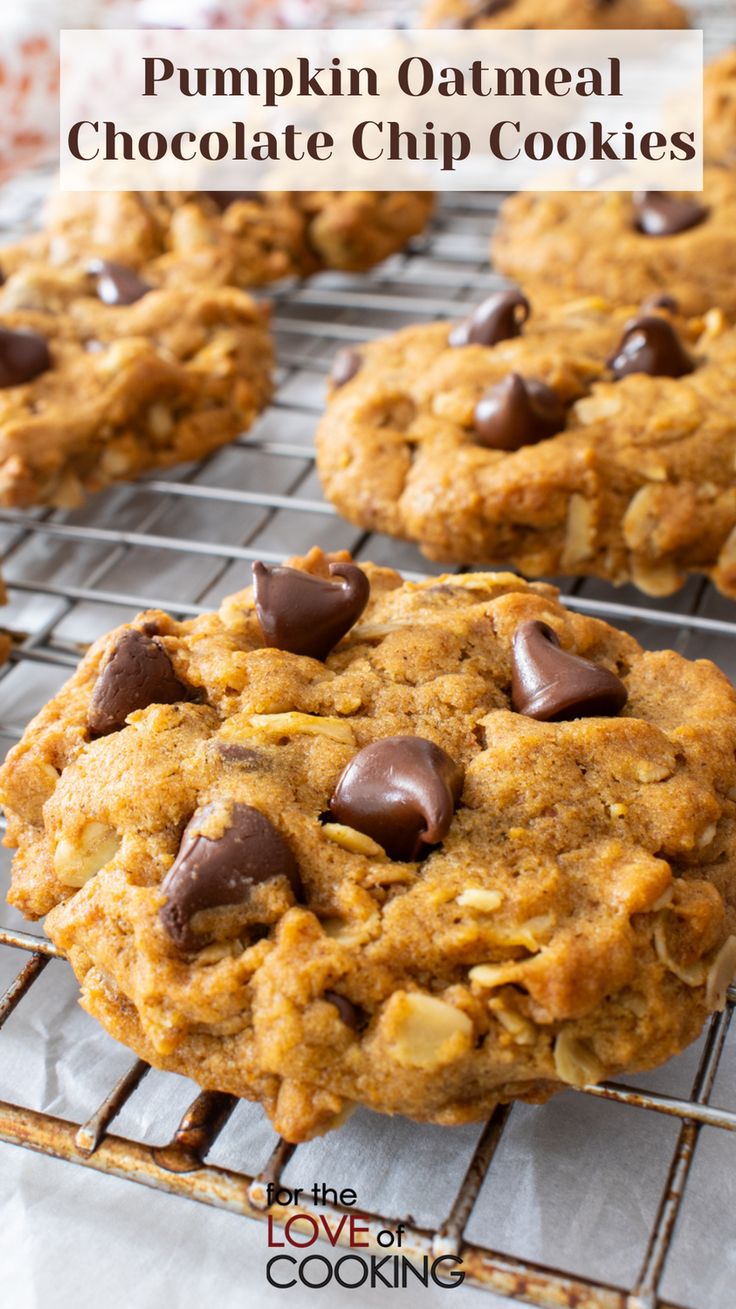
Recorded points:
(252, 239)
(576, 920)
(719, 108)
(604, 14)
(587, 243)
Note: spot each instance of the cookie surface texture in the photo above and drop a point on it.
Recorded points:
(570, 909)
(104, 375)
(448, 443)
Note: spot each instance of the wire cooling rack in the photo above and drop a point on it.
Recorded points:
(183, 541)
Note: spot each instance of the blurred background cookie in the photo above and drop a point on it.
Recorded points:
(560, 14)
(625, 246)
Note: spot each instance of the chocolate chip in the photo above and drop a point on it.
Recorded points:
(401, 791)
(350, 1014)
(662, 301)
(117, 284)
(23, 356)
(517, 412)
(660, 214)
(223, 199)
(308, 615)
(210, 872)
(137, 674)
(242, 755)
(499, 318)
(650, 345)
(549, 683)
(345, 367)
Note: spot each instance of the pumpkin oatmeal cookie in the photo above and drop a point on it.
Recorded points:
(419, 846)
(625, 246)
(243, 239)
(564, 438)
(602, 14)
(103, 375)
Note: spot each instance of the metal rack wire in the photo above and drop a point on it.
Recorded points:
(183, 541)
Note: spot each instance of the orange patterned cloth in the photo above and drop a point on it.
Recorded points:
(29, 52)
(29, 88)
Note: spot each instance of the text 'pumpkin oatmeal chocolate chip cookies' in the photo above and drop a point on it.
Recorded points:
(603, 14)
(720, 110)
(241, 238)
(103, 375)
(466, 847)
(562, 438)
(625, 246)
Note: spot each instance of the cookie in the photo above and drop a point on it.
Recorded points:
(240, 238)
(603, 14)
(719, 108)
(572, 438)
(103, 375)
(625, 246)
(422, 847)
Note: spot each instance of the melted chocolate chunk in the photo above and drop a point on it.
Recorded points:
(308, 615)
(117, 284)
(402, 792)
(351, 1014)
(517, 412)
(212, 872)
(137, 674)
(346, 366)
(23, 356)
(650, 344)
(551, 684)
(499, 318)
(660, 214)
